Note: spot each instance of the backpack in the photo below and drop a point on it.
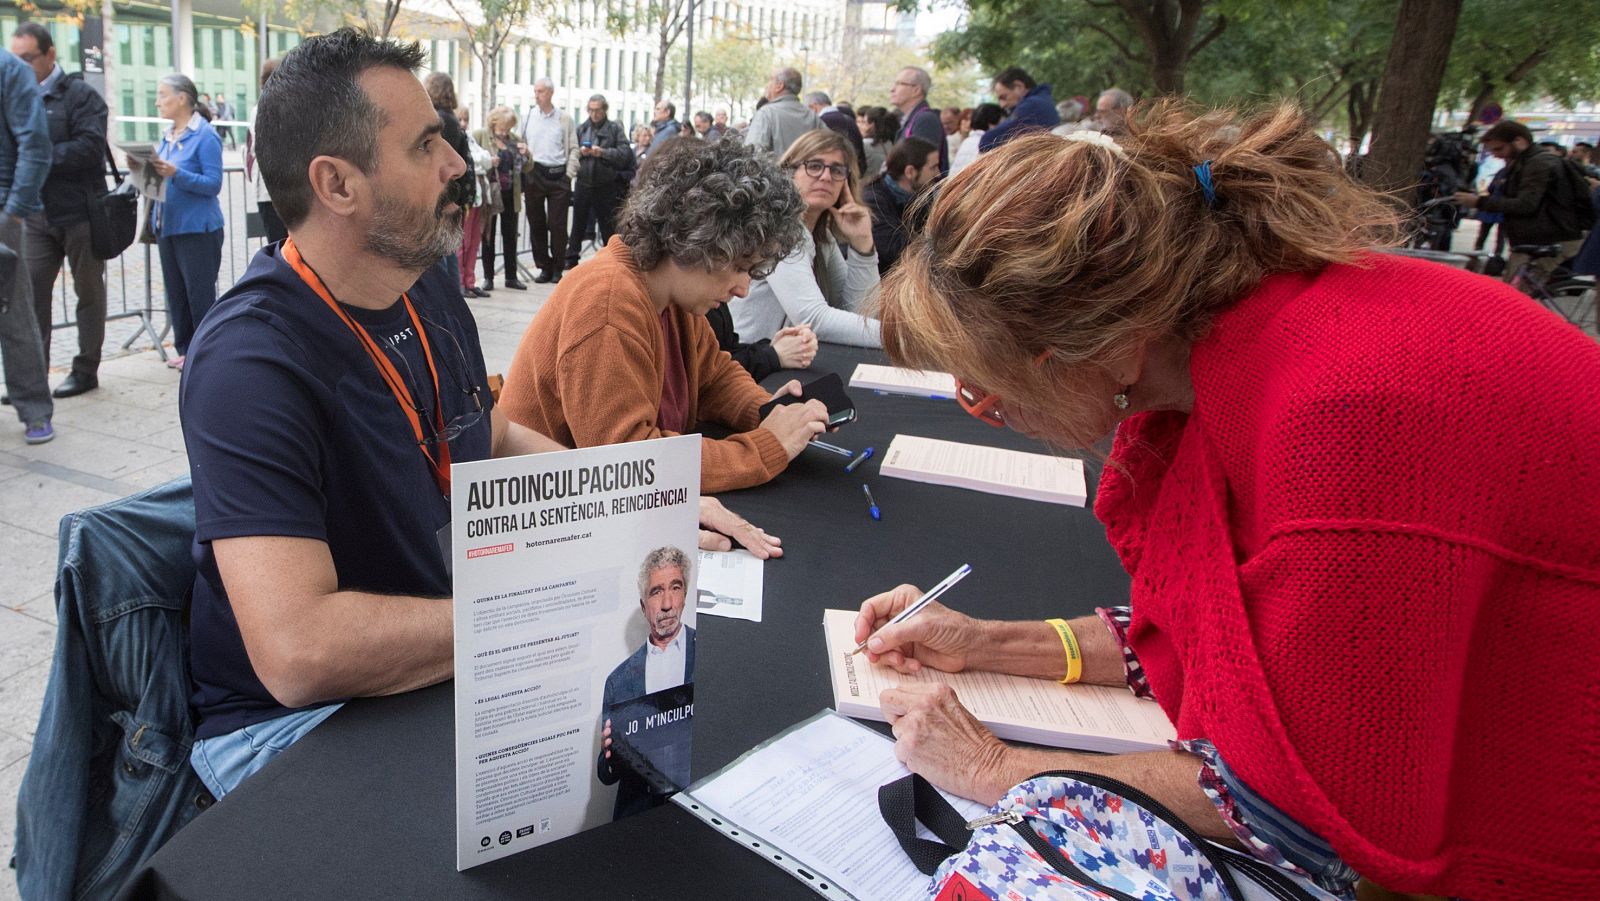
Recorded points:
(1578, 208)
(1072, 836)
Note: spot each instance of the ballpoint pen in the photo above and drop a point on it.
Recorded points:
(872, 505)
(831, 448)
(865, 456)
(916, 606)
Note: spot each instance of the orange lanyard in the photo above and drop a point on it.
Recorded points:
(391, 376)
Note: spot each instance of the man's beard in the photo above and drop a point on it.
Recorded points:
(410, 238)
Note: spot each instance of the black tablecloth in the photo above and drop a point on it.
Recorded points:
(363, 807)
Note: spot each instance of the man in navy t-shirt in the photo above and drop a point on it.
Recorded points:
(324, 399)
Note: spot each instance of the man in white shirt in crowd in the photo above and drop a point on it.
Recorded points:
(552, 140)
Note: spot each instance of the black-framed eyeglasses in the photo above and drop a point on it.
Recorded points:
(815, 168)
(458, 426)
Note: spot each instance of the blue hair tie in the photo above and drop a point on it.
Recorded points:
(1202, 174)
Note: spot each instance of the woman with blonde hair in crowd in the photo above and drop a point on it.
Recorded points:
(512, 160)
(817, 285)
(1357, 495)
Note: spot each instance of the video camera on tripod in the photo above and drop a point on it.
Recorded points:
(1449, 165)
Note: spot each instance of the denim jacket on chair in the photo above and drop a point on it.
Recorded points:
(109, 780)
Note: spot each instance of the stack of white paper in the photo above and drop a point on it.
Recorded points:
(1084, 717)
(1039, 477)
(913, 382)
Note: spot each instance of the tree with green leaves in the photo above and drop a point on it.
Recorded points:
(488, 24)
(666, 20)
(1518, 50)
(731, 66)
(1143, 45)
(376, 16)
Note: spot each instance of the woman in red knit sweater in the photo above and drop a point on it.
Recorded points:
(1358, 496)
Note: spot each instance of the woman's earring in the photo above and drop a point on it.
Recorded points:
(1120, 399)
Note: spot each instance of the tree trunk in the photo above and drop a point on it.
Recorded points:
(486, 82)
(1358, 107)
(661, 66)
(1409, 90)
(1482, 98)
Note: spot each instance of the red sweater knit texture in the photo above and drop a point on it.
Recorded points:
(1367, 567)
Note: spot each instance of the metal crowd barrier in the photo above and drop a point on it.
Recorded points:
(144, 299)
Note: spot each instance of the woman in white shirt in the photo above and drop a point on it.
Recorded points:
(817, 285)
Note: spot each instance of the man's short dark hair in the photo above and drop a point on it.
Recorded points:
(313, 105)
(39, 33)
(1507, 130)
(672, 111)
(703, 116)
(1014, 74)
(986, 116)
(913, 152)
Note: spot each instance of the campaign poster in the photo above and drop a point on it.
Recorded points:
(574, 639)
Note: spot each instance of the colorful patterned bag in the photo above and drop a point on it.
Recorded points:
(1071, 835)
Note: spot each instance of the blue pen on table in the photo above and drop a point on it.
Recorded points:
(831, 448)
(865, 456)
(872, 505)
(917, 605)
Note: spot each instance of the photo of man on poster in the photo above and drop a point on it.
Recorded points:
(649, 696)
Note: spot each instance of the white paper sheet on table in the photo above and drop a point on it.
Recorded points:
(1038, 477)
(807, 801)
(912, 382)
(730, 585)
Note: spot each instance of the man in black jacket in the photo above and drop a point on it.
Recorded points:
(604, 159)
(77, 116)
(911, 168)
(1537, 201)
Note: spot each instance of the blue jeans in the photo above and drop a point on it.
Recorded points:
(224, 761)
(189, 265)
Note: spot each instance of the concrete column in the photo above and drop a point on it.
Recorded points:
(183, 36)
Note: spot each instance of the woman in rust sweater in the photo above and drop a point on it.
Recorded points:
(622, 350)
(1357, 496)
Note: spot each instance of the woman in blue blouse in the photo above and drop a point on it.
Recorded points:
(188, 225)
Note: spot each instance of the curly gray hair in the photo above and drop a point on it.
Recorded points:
(712, 205)
(662, 558)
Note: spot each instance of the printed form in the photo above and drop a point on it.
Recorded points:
(730, 585)
(811, 794)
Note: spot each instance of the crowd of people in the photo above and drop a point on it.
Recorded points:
(1360, 555)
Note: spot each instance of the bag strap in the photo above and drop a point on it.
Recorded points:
(904, 803)
(112, 164)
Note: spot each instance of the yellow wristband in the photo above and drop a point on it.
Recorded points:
(1069, 643)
